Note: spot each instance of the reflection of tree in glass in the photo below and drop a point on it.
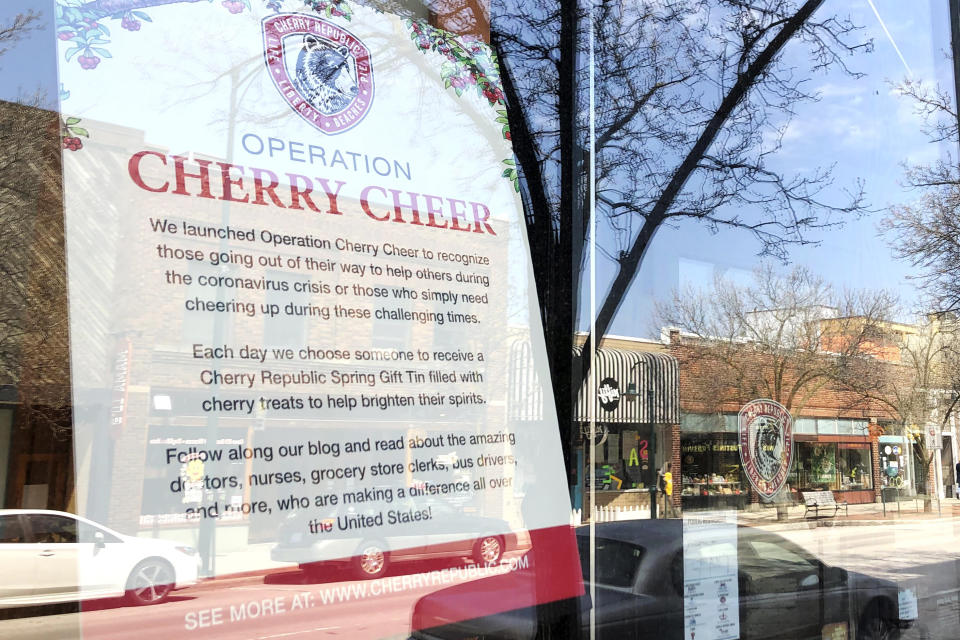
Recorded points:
(783, 337)
(691, 100)
(926, 232)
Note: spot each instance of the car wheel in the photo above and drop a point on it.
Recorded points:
(150, 582)
(875, 626)
(488, 550)
(371, 561)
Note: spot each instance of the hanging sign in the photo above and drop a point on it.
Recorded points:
(608, 393)
(765, 430)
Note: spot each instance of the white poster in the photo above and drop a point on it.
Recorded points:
(711, 597)
(301, 298)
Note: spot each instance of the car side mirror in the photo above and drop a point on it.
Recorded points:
(98, 541)
(810, 581)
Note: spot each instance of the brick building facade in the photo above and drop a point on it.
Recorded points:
(836, 428)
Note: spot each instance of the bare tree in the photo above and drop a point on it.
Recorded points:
(920, 387)
(692, 98)
(926, 232)
(16, 28)
(780, 337)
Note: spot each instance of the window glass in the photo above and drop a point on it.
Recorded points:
(11, 530)
(805, 425)
(287, 326)
(708, 423)
(816, 467)
(712, 474)
(827, 426)
(730, 423)
(385, 302)
(780, 555)
(845, 427)
(52, 529)
(854, 467)
(616, 562)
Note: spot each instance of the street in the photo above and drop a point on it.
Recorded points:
(921, 555)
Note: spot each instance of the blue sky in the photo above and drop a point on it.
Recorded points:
(30, 64)
(861, 125)
(863, 128)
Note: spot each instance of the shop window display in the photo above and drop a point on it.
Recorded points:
(833, 466)
(853, 465)
(816, 466)
(623, 459)
(711, 473)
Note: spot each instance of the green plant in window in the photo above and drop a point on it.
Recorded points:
(822, 465)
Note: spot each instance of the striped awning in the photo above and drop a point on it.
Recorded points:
(524, 387)
(635, 387)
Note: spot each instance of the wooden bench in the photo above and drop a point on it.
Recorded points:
(818, 501)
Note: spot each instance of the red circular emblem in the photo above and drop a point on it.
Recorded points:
(320, 69)
(766, 445)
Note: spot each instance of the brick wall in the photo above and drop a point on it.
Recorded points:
(723, 379)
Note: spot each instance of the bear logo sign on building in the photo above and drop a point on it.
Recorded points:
(766, 445)
(322, 70)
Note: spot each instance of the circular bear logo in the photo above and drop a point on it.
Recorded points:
(320, 69)
(766, 445)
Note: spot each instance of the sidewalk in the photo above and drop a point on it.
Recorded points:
(856, 515)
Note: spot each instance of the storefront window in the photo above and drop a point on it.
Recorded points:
(699, 423)
(623, 459)
(854, 467)
(712, 472)
(847, 427)
(827, 426)
(816, 466)
(833, 466)
(805, 425)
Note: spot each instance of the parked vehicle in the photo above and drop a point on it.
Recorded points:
(453, 533)
(784, 592)
(52, 556)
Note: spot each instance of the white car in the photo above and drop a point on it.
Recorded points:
(52, 556)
